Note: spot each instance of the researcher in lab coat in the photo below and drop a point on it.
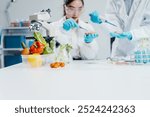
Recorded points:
(71, 29)
(132, 18)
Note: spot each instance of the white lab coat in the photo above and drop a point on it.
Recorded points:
(137, 22)
(75, 37)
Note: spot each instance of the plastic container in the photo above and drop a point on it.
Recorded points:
(26, 24)
(36, 60)
(15, 24)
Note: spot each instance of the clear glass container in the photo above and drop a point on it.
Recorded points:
(63, 54)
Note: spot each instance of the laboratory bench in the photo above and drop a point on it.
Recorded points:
(79, 80)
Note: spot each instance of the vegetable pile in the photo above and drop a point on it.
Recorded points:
(40, 46)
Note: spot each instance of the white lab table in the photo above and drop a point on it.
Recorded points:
(80, 80)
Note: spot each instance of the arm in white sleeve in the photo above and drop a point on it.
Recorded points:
(111, 15)
(144, 30)
(89, 50)
(140, 33)
(56, 30)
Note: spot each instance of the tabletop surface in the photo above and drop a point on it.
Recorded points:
(79, 80)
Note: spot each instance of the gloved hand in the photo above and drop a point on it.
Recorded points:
(88, 38)
(94, 17)
(123, 35)
(70, 24)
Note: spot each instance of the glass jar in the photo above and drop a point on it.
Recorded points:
(63, 54)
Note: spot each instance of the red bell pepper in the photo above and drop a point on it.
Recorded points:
(37, 47)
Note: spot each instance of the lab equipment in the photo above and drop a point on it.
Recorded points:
(40, 20)
(121, 60)
(123, 35)
(106, 21)
(142, 56)
(88, 38)
(83, 28)
(35, 25)
(99, 19)
(142, 52)
(139, 56)
(69, 24)
(43, 15)
(22, 23)
(9, 4)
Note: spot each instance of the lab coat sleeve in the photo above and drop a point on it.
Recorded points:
(56, 30)
(140, 33)
(111, 15)
(144, 30)
(89, 50)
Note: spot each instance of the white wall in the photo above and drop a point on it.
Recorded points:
(21, 9)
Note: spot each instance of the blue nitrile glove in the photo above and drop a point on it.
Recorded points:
(94, 17)
(70, 24)
(123, 35)
(88, 38)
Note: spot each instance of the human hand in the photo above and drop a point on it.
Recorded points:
(123, 35)
(94, 17)
(70, 24)
(88, 38)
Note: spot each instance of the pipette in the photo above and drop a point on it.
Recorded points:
(109, 23)
(106, 21)
(83, 28)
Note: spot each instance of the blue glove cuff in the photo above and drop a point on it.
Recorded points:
(124, 35)
(130, 37)
(127, 35)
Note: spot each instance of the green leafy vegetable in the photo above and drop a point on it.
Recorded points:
(68, 48)
(52, 44)
(47, 50)
(38, 36)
